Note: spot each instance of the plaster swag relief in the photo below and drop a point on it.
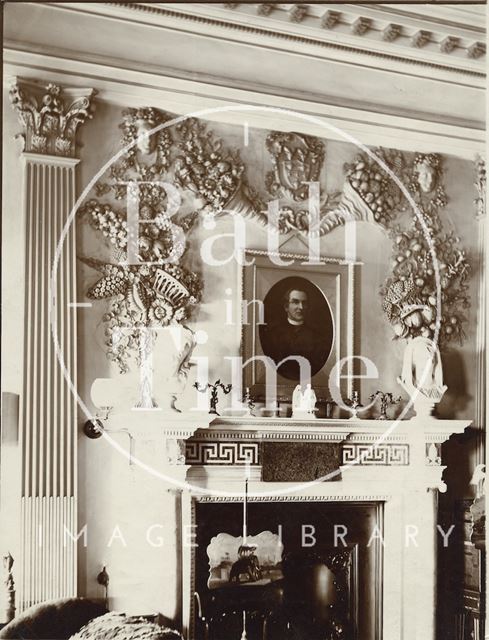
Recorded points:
(150, 285)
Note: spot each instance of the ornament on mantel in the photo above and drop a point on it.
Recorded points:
(386, 400)
(355, 406)
(214, 388)
(304, 403)
(422, 375)
(249, 402)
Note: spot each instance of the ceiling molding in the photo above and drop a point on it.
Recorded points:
(293, 39)
(137, 57)
(349, 27)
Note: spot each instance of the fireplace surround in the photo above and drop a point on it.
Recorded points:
(309, 531)
(392, 470)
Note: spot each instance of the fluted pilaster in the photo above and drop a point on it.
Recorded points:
(50, 119)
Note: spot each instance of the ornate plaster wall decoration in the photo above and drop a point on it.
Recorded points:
(136, 125)
(480, 185)
(409, 293)
(331, 215)
(426, 261)
(297, 159)
(160, 291)
(369, 193)
(214, 175)
(426, 172)
(51, 118)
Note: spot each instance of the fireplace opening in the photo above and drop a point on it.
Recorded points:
(307, 570)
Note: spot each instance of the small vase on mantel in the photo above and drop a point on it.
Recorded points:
(422, 376)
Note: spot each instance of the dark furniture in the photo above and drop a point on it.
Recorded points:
(54, 620)
(461, 566)
(311, 602)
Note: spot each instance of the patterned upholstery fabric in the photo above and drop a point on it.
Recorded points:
(114, 626)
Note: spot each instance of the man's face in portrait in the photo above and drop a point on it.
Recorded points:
(296, 306)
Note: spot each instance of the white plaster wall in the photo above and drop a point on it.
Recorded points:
(13, 254)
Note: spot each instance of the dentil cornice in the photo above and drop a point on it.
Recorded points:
(451, 36)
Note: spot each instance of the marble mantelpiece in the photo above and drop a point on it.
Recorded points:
(232, 442)
(397, 465)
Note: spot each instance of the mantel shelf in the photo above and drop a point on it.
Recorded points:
(434, 430)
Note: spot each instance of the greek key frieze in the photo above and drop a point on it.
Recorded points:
(383, 454)
(222, 453)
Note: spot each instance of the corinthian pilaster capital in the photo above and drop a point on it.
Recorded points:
(50, 116)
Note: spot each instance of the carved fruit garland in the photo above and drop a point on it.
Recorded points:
(159, 291)
(203, 167)
(409, 294)
(376, 188)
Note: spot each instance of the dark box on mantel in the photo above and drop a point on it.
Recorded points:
(299, 461)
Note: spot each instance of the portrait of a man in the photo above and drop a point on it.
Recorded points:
(298, 322)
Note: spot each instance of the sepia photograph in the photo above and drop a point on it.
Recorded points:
(243, 321)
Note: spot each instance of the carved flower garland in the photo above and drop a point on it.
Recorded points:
(138, 303)
(211, 173)
(410, 293)
(159, 291)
